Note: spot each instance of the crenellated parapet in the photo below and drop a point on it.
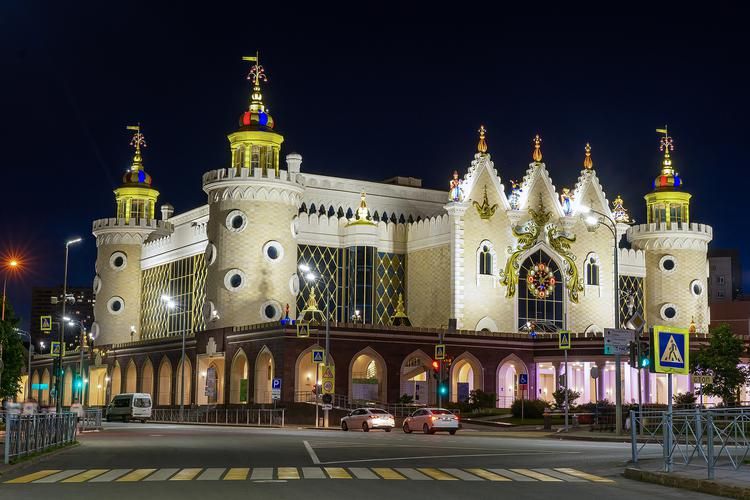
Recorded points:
(631, 262)
(428, 233)
(333, 231)
(128, 231)
(251, 185)
(659, 235)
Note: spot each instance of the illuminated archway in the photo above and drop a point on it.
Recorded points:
(507, 380)
(186, 383)
(466, 376)
(68, 387)
(165, 382)
(147, 377)
(44, 397)
(131, 378)
(116, 379)
(368, 376)
(264, 372)
(416, 377)
(305, 375)
(239, 382)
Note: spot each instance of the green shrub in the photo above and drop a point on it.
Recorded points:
(480, 399)
(531, 408)
(685, 400)
(559, 396)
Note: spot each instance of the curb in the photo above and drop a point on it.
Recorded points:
(5, 469)
(708, 486)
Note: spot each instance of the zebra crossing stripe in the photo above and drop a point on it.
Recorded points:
(110, 476)
(560, 475)
(464, 476)
(485, 474)
(211, 474)
(136, 475)
(262, 473)
(85, 476)
(237, 474)
(33, 476)
(313, 473)
(60, 476)
(288, 473)
(437, 474)
(536, 475)
(162, 475)
(337, 473)
(362, 473)
(387, 473)
(412, 474)
(583, 475)
(185, 474)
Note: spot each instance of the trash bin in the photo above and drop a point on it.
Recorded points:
(547, 421)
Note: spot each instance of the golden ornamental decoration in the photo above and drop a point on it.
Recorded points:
(588, 163)
(362, 217)
(560, 241)
(537, 155)
(482, 146)
(400, 318)
(619, 212)
(485, 210)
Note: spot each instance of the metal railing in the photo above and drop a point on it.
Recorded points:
(91, 420)
(715, 437)
(269, 417)
(27, 434)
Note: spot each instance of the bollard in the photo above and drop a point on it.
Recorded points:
(547, 421)
(710, 444)
(633, 437)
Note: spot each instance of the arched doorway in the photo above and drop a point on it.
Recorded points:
(147, 377)
(131, 378)
(507, 380)
(34, 394)
(305, 375)
(116, 380)
(68, 387)
(44, 397)
(368, 376)
(181, 397)
(97, 386)
(264, 371)
(466, 376)
(165, 383)
(212, 384)
(541, 295)
(417, 382)
(238, 381)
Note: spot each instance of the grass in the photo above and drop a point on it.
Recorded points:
(31, 456)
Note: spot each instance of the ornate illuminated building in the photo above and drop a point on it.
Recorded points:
(509, 261)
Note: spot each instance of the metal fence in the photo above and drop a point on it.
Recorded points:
(712, 438)
(27, 434)
(92, 419)
(270, 417)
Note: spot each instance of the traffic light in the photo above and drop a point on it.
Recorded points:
(633, 361)
(435, 368)
(78, 383)
(443, 388)
(645, 358)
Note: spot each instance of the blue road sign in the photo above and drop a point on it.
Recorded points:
(276, 384)
(564, 340)
(317, 355)
(672, 350)
(523, 378)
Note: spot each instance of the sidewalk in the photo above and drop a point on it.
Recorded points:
(727, 483)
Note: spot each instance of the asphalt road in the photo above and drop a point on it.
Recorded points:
(174, 461)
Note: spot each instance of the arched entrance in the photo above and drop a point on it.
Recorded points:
(417, 382)
(97, 386)
(212, 384)
(466, 376)
(368, 377)
(44, 397)
(238, 379)
(68, 387)
(147, 377)
(305, 375)
(131, 378)
(165, 383)
(116, 380)
(507, 380)
(264, 371)
(34, 394)
(181, 397)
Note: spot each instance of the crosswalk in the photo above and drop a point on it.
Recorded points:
(562, 474)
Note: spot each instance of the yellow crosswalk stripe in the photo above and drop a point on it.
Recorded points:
(288, 473)
(85, 476)
(437, 474)
(337, 473)
(536, 475)
(237, 474)
(491, 476)
(584, 475)
(34, 476)
(387, 473)
(186, 474)
(136, 475)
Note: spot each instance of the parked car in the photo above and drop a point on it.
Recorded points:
(368, 418)
(130, 406)
(430, 420)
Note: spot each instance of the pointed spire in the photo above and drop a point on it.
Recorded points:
(619, 211)
(137, 142)
(482, 146)
(257, 74)
(362, 216)
(666, 144)
(537, 155)
(400, 318)
(588, 163)
(692, 328)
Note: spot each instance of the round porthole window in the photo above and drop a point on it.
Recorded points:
(668, 264)
(273, 251)
(97, 285)
(294, 284)
(210, 313)
(236, 221)
(94, 330)
(295, 227)
(270, 310)
(696, 287)
(116, 305)
(210, 253)
(234, 280)
(118, 261)
(668, 311)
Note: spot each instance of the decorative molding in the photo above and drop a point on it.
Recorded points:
(657, 236)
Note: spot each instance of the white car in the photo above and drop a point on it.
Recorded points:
(430, 420)
(368, 418)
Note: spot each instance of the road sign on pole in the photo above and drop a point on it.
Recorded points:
(440, 351)
(523, 379)
(329, 379)
(564, 339)
(46, 323)
(276, 388)
(702, 379)
(617, 341)
(56, 349)
(671, 350)
(303, 329)
(318, 356)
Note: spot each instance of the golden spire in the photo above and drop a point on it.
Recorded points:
(666, 144)
(137, 141)
(588, 163)
(312, 302)
(692, 328)
(537, 155)
(482, 146)
(257, 74)
(363, 213)
(400, 318)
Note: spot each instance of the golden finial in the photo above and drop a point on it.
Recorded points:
(485, 210)
(257, 74)
(619, 211)
(588, 163)
(363, 213)
(666, 144)
(137, 141)
(537, 155)
(312, 302)
(692, 328)
(400, 318)
(482, 146)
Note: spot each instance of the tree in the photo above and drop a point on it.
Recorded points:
(721, 360)
(13, 356)
(559, 396)
(685, 400)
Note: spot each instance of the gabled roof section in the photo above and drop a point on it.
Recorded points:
(474, 189)
(537, 181)
(588, 191)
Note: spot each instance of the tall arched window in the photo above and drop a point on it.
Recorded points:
(540, 294)
(485, 260)
(486, 263)
(592, 270)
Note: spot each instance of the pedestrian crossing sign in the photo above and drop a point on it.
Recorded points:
(564, 339)
(55, 349)
(303, 329)
(46, 323)
(672, 350)
(317, 355)
(440, 351)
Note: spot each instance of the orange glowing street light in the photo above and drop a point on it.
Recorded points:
(10, 265)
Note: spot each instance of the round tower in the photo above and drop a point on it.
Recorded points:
(251, 256)
(119, 240)
(676, 252)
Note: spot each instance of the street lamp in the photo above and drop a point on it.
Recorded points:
(11, 265)
(62, 329)
(311, 277)
(172, 305)
(593, 219)
(31, 350)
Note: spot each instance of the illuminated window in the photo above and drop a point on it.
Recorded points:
(543, 310)
(255, 157)
(592, 270)
(485, 260)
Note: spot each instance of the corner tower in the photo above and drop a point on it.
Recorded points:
(251, 255)
(676, 284)
(119, 240)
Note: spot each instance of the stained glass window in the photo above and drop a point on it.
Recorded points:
(540, 294)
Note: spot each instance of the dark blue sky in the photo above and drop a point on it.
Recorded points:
(367, 94)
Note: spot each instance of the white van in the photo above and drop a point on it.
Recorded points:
(130, 406)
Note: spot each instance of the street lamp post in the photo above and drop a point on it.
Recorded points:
(62, 328)
(171, 304)
(592, 223)
(9, 266)
(81, 346)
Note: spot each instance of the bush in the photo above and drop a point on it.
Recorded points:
(531, 408)
(406, 399)
(685, 400)
(480, 399)
(559, 396)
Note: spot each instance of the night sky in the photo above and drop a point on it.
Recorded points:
(367, 94)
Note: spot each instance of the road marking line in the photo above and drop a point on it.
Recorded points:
(237, 474)
(109, 476)
(136, 475)
(33, 476)
(313, 473)
(337, 473)
(559, 475)
(462, 475)
(85, 476)
(490, 476)
(436, 474)
(161, 475)
(516, 454)
(584, 475)
(511, 475)
(413, 474)
(60, 475)
(186, 474)
(536, 475)
(263, 473)
(211, 474)
(362, 473)
(287, 473)
(311, 452)
(387, 473)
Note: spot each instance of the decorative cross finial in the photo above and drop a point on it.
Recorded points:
(666, 144)
(588, 163)
(482, 146)
(137, 142)
(537, 155)
(256, 75)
